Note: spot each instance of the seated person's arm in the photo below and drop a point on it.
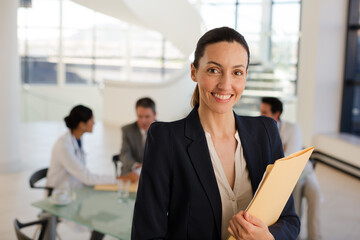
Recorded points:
(71, 163)
(126, 156)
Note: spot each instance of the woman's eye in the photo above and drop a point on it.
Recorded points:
(238, 73)
(213, 70)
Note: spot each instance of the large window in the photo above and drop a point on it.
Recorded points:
(39, 41)
(350, 119)
(63, 42)
(271, 28)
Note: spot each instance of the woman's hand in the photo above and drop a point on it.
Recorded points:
(244, 226)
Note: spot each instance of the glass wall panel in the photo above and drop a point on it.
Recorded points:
(249, 18)
(174, 60)
(356, 112)
(218, 15)
(43, 13)
(146, 56)
(110, 68)
(38, 50)
(350, 116)
(286, 18)
(38, 38)
(76, 16)
(97, 47)
(78, 70)
(253, 41)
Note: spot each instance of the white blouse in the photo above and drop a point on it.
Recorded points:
(232, 200)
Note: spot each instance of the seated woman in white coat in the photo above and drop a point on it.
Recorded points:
(68, 164)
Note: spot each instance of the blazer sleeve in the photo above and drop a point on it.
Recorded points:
(126, 156)
(152, 200)
(288, 225)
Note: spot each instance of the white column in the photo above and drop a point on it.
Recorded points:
(9, 88)
(321, 66)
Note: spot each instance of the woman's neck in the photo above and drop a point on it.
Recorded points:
(217, 124)
(77, 133)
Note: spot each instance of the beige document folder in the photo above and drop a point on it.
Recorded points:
(113, 187)
(276, 186)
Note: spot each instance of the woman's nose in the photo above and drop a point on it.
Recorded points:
(225, 82)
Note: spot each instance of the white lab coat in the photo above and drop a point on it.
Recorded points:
(68, 166)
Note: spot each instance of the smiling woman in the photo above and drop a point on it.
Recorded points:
(200, 173)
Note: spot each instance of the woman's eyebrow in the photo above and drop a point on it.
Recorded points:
(212, 62)
(218, 64)
(239, 66)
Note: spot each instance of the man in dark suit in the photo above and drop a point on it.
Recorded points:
(134, 136)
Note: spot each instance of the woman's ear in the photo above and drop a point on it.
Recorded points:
(193, 72)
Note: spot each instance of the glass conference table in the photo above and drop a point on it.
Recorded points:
(98, 210)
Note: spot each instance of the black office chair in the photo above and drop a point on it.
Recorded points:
(37, 176)
(116, 159)
(21, 236)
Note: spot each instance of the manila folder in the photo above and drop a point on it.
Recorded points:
(276, 186)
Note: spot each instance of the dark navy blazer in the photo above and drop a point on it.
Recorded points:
(178, 196)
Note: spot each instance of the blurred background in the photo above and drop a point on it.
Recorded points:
(107, 54)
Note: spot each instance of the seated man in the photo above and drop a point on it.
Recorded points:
(134, 136)
(307, 185)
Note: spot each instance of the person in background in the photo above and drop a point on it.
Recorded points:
(200, 173)
(68, 163)
(134, 136)
(307, 186)
(67, 168)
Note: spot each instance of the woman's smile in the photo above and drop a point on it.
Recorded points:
(222, 98)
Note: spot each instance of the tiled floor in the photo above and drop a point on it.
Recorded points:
(340, 214)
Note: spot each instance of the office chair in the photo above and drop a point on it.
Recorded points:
(21, 236)
(116, 159)
(37, 176)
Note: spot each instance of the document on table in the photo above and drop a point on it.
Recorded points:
(276, 186)
(114, 187)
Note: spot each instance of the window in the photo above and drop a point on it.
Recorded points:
(271, 28)
(70, 49)
(350, 118)
(39, 42)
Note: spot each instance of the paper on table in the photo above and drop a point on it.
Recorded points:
(276, 186)
(114, 187)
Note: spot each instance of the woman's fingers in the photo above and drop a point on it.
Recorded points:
(253, 220)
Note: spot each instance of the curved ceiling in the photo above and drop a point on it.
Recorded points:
(177, 20)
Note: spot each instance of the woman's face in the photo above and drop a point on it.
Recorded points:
(88, 126)
(221, 76)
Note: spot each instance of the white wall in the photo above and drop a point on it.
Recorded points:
(53, 103)
(321, 66)
(172, 100)
(9, 87)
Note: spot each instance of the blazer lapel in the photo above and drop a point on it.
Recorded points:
(252, 152)
(199, 154)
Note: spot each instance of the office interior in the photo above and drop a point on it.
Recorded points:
(106, 54)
